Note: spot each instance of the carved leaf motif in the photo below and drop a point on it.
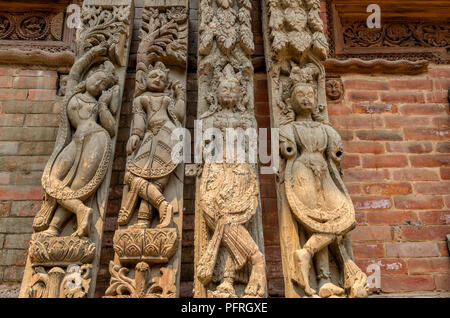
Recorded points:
(120, 284)
(246, 36)
(225, 3)
(225, 31)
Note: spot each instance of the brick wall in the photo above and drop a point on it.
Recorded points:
(396, 168)
(29, 111)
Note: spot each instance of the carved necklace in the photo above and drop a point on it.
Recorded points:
(91, 110)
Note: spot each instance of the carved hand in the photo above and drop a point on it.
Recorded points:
(106, 97)
(178, 89)
(132, 143)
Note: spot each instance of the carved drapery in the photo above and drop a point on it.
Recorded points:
(228, 230)
(64, 253)
(315, 211)
(147, 244)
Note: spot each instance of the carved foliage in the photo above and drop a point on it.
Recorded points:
(31, 26)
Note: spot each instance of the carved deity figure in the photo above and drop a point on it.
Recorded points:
(77, 168)
(229, 199)
(314, 188)
(158, 109)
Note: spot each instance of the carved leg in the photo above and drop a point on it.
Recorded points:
(257, 283)
(59, 219)
(144, 214)
(326, 287)
(226, 287)
(83, 213)
(304, 256)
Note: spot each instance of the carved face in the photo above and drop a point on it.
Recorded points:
(96, 84)
(303, 99)
(156, 80)
(228, 94)
(334, 89)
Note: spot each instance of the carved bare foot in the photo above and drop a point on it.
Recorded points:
(84, 223)
(257, 283)
(329, 289)
(303, 258)
(165, 214)
(50, 232)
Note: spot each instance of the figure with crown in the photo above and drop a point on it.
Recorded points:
(158, 109)
(229, 195)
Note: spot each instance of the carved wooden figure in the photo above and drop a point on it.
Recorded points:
(229, 247)
(148, 242)
(315, 210)
(64, 252)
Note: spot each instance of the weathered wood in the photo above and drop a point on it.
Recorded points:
(315, 212)
(229, 245)
(147, 247)
(63, 262)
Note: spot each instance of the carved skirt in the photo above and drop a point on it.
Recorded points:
(314, 198)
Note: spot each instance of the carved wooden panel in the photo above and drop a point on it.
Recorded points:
(408, 31)
(315, 212)
(35, 33)
(64, 253)
(147, 244)
(229, 245)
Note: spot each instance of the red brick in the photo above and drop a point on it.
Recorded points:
(42, 120)
(410, 84)
(425, 233)
(402, 97)
(420, 133)
(384, 161)
(345, 134)
(372, 233)
(6, 81)
(361, 218)
(338, 110)
(441, 123)
(353, 188)
(411, 174)
(409, 147)
(392, 135)
(418, 203)
(362, 96)
(13, 94)
(355, 122)
(387, 265)
(349, 161)
(399, 121)
(441, 84)
(22, 193)
(445, 173)
(429, 265)
(5, 208)
(268, 191)
(447, 201)
(368, 250)
(403, 283)
(411, 249)
(443, 248)
(442, 282)
(388, 188)
(422, 109)
(11, 120)
(42, 94)
(363, 147)
(432, 187)
(353, 175)
(420, 161)
(371, 203)
(35, 82)
(365, 84)
(391, 217)
(437, 97)
(38, 73)
(374, 108)
(439, 71)
(434, 217)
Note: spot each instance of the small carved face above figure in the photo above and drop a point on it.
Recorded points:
(303, 99)
(334, 89)
(156, 80)
(228, 93)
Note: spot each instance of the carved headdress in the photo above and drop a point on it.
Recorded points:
(142, 72)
